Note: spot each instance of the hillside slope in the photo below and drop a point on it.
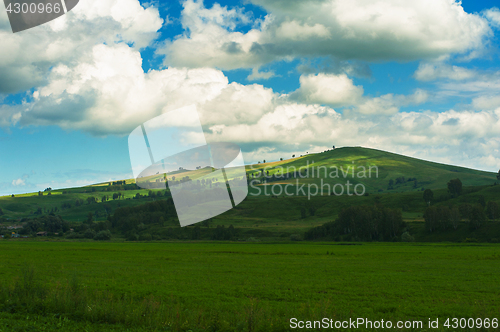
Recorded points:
(339, 164)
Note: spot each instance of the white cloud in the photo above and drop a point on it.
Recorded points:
(258, 75)
(486, 102)
(344, 29)
(329, 89)
(18, 182)
(493, 15)
(431, 72)
(26, 58)
(110, 93)
(454, 81)
(390, 103)
(117, 99)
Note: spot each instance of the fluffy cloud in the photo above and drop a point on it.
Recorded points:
(452, 81)
(493, 15)
(26, 57)
(110, 93)
(431, 72)
(465, 138)
(486, 102)
(333, 90)
(18, 182)
(345, 29)
(390, 103)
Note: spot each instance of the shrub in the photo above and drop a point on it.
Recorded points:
(145, 237)
(89, 234)
(75, 236)
(132, 237)
(406, 237)
(103, 236)
(295, 237)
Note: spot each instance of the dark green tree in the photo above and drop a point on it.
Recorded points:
(455, 187)
(428, 196)
(482, 201)
(196, 233)
(431, 218)
(90, 218)
(498, 175)
(477, 217)
(454, 217)
(492, 210)
(465, 210)
(206, 223)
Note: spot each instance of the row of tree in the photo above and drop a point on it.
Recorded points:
(363, 223)
(448, 217)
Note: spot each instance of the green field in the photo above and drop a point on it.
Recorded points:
(88, 286)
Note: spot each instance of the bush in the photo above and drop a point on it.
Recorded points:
(103, 236)
(145, 237)
(406, 237)
(89, 234)
(295, 237)
(470, 240)
(132, 237)
(75, 235)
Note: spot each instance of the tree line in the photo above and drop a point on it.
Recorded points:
(361, 223)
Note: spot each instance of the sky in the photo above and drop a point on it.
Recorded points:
(276, 77)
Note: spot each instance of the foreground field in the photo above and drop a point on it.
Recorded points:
(239, 286)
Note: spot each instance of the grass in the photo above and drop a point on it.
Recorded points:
(241, 286)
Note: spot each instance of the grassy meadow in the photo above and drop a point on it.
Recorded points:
(88, 286)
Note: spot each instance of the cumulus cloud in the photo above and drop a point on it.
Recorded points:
(390, 103)
(344, 29)
(486, 102)
(431, 72)
(329, 89)
(465, 138)
(493, 16)
(451, 81)
(111, 94)
(265, 123)
(26, 57)
(18, 182)
(258, 75)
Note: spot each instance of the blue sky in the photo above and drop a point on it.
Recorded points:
(277, 77)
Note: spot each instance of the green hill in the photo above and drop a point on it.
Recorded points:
(279, 216)
(408, 174)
